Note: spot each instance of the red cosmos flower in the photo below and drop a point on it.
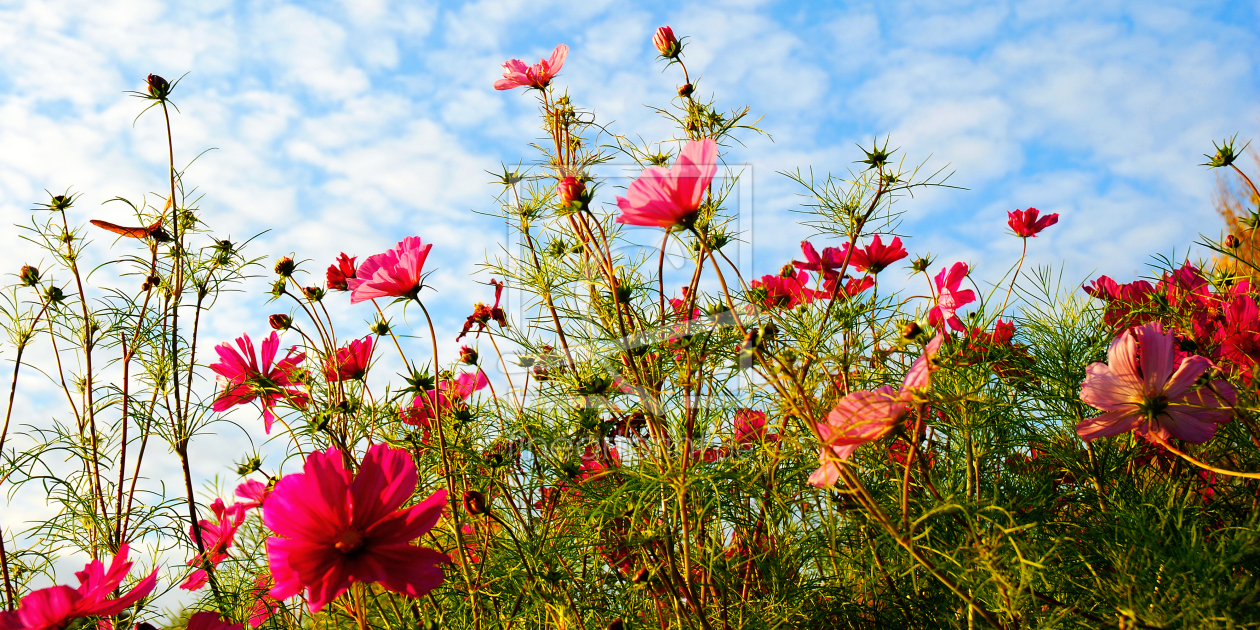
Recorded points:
(482, 314)
(253, 492)
(949, 298)
(241, 379)
(1154, 396)
(53, 608)
(264, 604)
(828, 264)
(865, 416)
(216, 537)
(750, 427)
(1026, 224)
(670, 198)
(395, 273)
(443, 398)
(1239, 338)
(680, 304)
(351, 362)
(517, 74)
(340, 272)
(333, 528)
(852, 286)
(876, 257)
(210, 621)
(665, 42)
(784, 292)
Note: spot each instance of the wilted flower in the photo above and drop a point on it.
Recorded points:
(482, 314)
(340, 272)
(1140, 389)
(285, 267)
(517, 74)
(669, 198)
(334, 528)
(395, 273)
(1026, 224)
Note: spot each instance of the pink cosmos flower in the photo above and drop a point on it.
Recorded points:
(1026, 224)
(210, 621)
(949, 298)
(53, 608)
(351, 362)
(784, 292)
(876, 257)
(828, 264)
(217, 537)
(750, 427)
(333, 528)
(395, 273)
(517, 74)
(443, 398)
(1140, 389)
(866, 416)
(670, 198)
(241, 379)
(253, 492)
(264, 604)
(340, 272)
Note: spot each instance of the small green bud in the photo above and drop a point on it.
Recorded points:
(54, 294)
(277, 288)
(921, 264)
(29, 276)
(380, 328)
(251, 465)
(313, 294)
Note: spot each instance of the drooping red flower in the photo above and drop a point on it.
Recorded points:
(482, 314)
(242, 379)
(669, 198)
(1140, 389)
(780, 292)
(211, 621)
(395, 273)
(55, 607)
(216, 537)
(865, 416)
(351, 362)
(950, 298)
(333, 528)
(340, 272)
(1026, 224)
(876, 257)
(517, 74)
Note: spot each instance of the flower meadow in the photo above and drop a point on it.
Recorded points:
(624, 447)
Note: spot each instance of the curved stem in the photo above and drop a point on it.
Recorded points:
(1205, 466)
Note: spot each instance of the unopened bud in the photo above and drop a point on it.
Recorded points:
(159, 88)
(920, 264)
(54, 294)
(278, 288)
(380, 328)
(666, 43)
(468, 355)
(911, 330)
(474, 503)
(685, 90)
(570, 190)
(788, 271)
(1232, 242)
(280, 321)
(285, 267)
(313, 294)
(60, 202)
(29, 276)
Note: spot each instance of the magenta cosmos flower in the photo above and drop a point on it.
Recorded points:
(669, 198)
(334, 528)
(351, 362)
(242, 379)
(785, 292)
(395, 273)
(443, 398)
(217, 537)
(340, 272)
(949, 298)
(53, 608)
(866, 416)
(1140, 389)
(1026, 224)
(517, 74)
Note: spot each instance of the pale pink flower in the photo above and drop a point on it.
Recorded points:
(53, 608)
(669, 198)
(395, 273)
(949, 298)
(865, 416)
(1139, 390)
(334, 528)
(242, 379)
(517, 74)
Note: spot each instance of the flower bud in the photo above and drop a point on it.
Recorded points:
(666, 43)
(468, 355)
(1231, 242)
(911, 330)
(60, 202)
(29, 276)
(474, 503)
(788, 271)
(641, 576)
(285, 267)
(54, 294)
(685, 90)
(920, 264)
(380, 328)
(159, 88)
(278, 289)
(280, 321)
(570, 190)
(313, 294)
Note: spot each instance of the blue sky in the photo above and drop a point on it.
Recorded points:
(344, 126)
